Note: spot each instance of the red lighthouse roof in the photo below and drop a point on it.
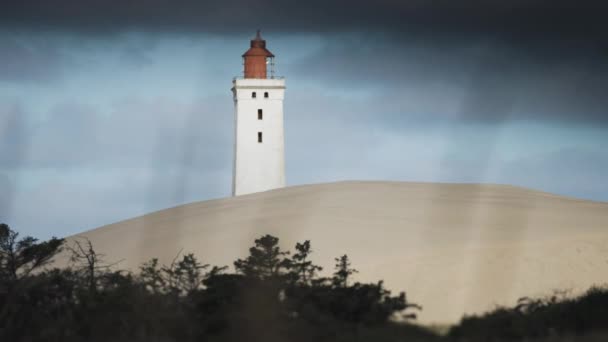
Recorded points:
(256, 58)
(258, 47)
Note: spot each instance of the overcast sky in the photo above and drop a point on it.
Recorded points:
(111, 109)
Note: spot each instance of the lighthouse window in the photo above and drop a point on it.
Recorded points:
(259, 137)
(260, 115)
(253, 95)
(266, 95)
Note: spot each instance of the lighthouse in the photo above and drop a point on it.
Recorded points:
(259, 144)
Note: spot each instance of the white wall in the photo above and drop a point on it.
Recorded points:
(258, 166)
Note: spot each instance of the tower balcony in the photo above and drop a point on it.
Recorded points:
(245, 83)
(250, 78)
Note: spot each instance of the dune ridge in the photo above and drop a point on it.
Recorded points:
(454, 248)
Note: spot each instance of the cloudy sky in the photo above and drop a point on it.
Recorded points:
(111, 109)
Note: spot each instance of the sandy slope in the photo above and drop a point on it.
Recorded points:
(454, 248)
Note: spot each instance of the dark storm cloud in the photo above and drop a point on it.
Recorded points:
(557, 19)
(29, 61)
(514, 59)
(482, 80)
(44, 58)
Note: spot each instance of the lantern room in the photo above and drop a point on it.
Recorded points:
(257, 59)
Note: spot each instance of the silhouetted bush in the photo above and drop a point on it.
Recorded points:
(554, 316)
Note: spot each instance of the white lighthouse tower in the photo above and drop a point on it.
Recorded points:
(259, 146)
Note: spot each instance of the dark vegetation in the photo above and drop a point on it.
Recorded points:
(273, 295)
(547, 318)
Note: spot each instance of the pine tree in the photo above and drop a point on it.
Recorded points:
(343, 271)
(265, 260)
(302, 269)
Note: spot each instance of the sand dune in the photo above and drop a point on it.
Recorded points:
(454, 248)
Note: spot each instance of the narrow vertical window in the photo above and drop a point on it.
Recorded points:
(259, 137)
(253, 95)
(260, 114)
(266, 95)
